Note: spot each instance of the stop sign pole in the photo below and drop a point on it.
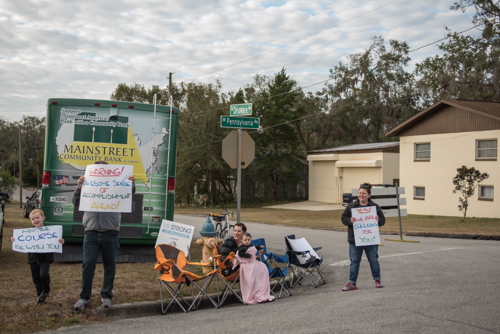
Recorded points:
(238, 183)
(239, 123)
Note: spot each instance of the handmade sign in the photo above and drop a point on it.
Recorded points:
(38, 239)
(107, 189)
(175, 234)
(365, 227)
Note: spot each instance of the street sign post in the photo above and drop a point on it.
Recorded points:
(241, 109)
(239, 122)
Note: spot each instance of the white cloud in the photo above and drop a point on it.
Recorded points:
(85, 49)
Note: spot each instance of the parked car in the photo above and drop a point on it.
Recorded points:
(347, 198)
(33, 202)
(3, 197)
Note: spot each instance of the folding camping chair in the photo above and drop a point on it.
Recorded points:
(232, 281)
(172, 276)
(277, 273)
(304, 262)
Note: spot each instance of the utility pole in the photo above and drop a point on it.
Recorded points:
(20, 173)
(170, 84)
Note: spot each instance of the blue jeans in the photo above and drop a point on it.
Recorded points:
(94, 243)
(355, 254)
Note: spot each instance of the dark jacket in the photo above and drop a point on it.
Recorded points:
(229, 245)
(346, 217)
(242, 251)
(99, 221)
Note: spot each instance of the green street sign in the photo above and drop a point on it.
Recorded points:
(241, 109)
(239, 122)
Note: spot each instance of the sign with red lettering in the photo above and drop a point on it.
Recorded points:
(365, 227)
(43, 239)
(107, 188)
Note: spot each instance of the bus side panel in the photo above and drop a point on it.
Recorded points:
(82, 132)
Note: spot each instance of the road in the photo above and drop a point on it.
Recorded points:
(434, 286)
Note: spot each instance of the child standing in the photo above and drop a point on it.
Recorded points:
(254, 276)
(40, 262)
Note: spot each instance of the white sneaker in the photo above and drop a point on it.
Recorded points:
(106, 302)
(80, 304)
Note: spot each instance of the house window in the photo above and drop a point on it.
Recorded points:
(486, 193)
(419, 193)
(486, 149)
(423, 152)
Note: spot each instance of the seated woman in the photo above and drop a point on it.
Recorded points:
(254, 276)
(231, 245)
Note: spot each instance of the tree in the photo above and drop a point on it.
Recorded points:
(487, 13)
(7, 182)
(277, 147)
(466, 181)
(468, 69)
(372, 93)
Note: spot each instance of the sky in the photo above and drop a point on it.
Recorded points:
(84, 49)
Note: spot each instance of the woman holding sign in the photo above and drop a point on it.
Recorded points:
(356, 252)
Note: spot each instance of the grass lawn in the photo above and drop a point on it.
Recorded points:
(134, 282)
(137, 282)
(412, 224)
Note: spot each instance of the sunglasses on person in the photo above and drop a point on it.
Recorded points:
(365, 186)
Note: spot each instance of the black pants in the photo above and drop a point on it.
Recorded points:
(41, 277)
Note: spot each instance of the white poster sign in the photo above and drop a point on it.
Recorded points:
(107, 188)
(38, 239)
(175, 234)
(365, 227)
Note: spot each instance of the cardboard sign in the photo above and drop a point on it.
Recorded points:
(38, 239)
(107, 189)
(365, 227)
(175, 234)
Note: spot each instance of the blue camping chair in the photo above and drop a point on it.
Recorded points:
(276, 272)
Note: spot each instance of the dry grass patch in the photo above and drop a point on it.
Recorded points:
(331, 220)
(134, 282)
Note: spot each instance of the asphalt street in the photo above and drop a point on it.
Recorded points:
(434, 286)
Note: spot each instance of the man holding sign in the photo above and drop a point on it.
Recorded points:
(362, 218)
(103, 193)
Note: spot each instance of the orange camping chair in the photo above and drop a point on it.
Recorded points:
(231, 281)
(171, 263)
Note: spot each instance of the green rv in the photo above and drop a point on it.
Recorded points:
(82, 132)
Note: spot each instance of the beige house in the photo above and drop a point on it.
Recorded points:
(440, 139)
(338, 170)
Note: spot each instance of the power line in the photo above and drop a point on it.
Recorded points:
(283, 46)
(447, 37)
(262, 37)
(316, 83)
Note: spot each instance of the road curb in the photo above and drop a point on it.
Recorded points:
(150, 308)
